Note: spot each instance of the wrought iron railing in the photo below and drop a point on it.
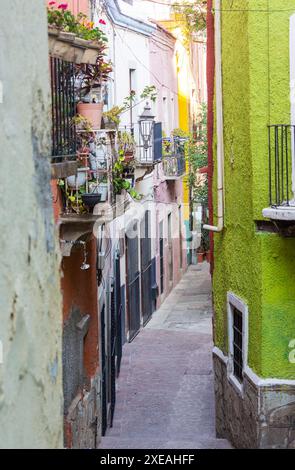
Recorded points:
(63, 110)
(281, 145)
(174, 157)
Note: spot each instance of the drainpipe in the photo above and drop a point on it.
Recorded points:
(219, 123)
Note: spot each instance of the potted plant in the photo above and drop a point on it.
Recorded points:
(90, 200)
(101, 188)
(200, 255)
(84, 137)
(73, 38)
(121, 182)
(91, 79)
(127, 145)
(111, 118)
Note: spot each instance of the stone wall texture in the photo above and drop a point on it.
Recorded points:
(83, 420)
(31, 413)
(260, 417)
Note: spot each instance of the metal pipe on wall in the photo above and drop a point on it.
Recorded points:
(219, 123)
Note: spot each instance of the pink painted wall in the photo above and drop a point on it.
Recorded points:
(163, 75)
(76, 5)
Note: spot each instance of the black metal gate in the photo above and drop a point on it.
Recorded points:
(147, 294)
(112, 374)
(119, 313)
(111, 349)
(132, 283)
(104, 373)
(161, 246)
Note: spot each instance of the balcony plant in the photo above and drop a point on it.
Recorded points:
(127, 145)
(62, 19)
(73, 38)
(84, 137)
(91, 79)
(112, 116)
(120, 182)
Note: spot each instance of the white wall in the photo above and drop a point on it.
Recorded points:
(31, 414)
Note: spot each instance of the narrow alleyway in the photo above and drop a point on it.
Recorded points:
(165, 396)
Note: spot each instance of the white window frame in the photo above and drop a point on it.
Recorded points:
(233, 301)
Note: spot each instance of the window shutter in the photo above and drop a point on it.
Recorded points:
(158, 141)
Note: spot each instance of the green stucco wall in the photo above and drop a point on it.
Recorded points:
(258, 267)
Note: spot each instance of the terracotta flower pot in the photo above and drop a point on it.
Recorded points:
(128, 156)
(201, 257)
(208, 256)
(91, 111)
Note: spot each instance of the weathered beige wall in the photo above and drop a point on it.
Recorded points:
(30, 303)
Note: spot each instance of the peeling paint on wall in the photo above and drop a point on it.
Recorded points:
(31, 321)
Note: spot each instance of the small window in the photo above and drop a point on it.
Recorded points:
(238, 344)
(238, 339)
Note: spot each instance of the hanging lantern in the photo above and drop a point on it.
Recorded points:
(146, 135)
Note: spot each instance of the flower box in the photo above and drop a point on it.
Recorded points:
(68, 47)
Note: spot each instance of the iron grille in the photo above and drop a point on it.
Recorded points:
(281, 145)
(104, 403)
(113, 355)
(238, 344)
(174, 160)
(63, 110)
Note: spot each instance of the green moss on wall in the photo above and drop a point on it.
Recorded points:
(259, 268)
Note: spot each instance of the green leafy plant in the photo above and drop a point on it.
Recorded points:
(197, 155)
(126, 142)
(149, 92)
(179, 133)
(119, 181)
(193, 17)
(61, 18)
(92, 77)
(73, 198)
(113, 115)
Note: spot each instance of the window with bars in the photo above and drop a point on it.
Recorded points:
(237, 344)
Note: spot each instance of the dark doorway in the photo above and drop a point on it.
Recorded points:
(132, 282)
(147, 294)
(170, 250)
(161, 249)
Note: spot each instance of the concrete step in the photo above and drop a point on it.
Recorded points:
(108, 442)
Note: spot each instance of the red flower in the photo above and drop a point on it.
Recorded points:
(63, 6)
(52, 3)
(102, 21)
